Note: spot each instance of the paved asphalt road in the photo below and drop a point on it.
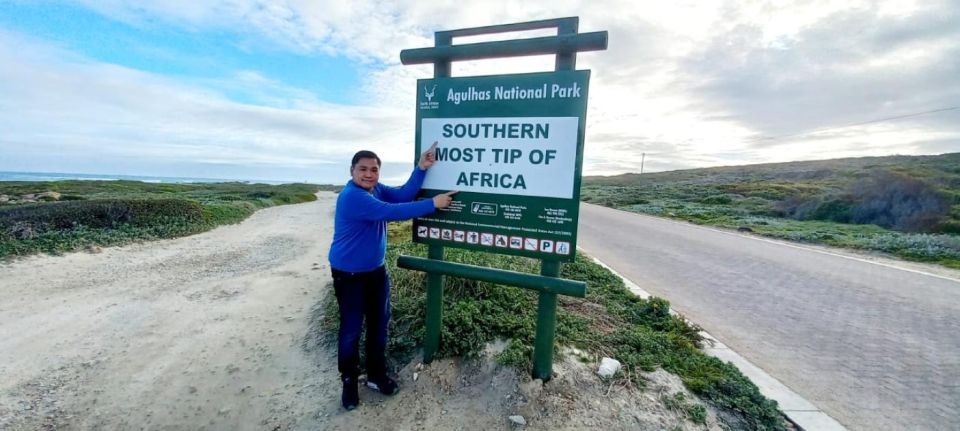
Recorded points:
(876, 347)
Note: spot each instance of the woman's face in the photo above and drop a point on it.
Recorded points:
(366, 173)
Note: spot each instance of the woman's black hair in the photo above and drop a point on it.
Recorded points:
(363, 154)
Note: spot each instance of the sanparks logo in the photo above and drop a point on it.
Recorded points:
(428, 94)
(483, 208)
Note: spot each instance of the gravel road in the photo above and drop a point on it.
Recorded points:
(201, 332)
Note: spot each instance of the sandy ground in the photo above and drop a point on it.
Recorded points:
(217, 331)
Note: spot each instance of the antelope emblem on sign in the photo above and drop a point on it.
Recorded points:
(429, 94)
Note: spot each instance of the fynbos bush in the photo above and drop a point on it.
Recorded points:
(886, 199)
(118, 212)
(107, 213)
(899, 202)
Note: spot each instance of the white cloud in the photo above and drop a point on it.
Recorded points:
(689, 83)
(90, 111)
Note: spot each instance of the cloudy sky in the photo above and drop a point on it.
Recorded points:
(289, 89)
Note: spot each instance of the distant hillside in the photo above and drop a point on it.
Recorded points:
(856, 202)
(942, 168)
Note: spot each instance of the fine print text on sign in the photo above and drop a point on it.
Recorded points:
(512, 145)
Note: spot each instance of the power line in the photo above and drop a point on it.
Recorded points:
(879, 120)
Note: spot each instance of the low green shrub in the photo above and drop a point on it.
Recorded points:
(697, 413)
(218, 214)
(100, 213)
(925, 247)
(610, 321)
(949, 227)
(724, 385)
(118, 212)
(717, 200)
(884, 198)
(678, 402)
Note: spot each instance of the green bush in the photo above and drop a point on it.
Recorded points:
(897, 201)
(726, 387)
(717, 200)
(641, 347)
(465, 328)
(697, 413)
(678, 402)
(105, 213)
(837, 210)
(217, 214)
(950, 227)
(118, 212)
(517, 354)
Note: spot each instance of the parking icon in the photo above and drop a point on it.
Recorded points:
(546, 246)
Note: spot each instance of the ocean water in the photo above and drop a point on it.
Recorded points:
(56, 176)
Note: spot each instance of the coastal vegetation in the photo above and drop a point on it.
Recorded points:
(905, 206)
(611, 321)
(61, 216)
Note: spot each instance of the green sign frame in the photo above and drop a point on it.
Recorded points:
(512, 145)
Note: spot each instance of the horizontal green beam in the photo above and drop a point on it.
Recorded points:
(562, 44)
(499, 276)
(505, 28)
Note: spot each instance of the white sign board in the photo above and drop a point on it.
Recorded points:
(524, 156)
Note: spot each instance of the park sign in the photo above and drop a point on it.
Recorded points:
(512, 146)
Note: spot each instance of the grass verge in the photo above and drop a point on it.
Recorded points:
(610, 321)
(938, 248)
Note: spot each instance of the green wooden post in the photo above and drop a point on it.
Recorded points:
(547, 303)
(567, 61)
(441, 69)
(431, 339)
(546, 325)
(434, 318)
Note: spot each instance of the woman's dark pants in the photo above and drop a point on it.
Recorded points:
(362, 295)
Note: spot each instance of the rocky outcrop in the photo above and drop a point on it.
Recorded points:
(49, 196)
(30, 197)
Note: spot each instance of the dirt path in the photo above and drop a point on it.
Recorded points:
(192, 333)
(218, 331)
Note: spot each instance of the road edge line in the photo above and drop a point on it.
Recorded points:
(799, 410)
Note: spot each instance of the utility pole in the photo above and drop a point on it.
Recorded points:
(643, 156)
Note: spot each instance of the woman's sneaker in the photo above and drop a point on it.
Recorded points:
(351, 396)
(384, 384)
